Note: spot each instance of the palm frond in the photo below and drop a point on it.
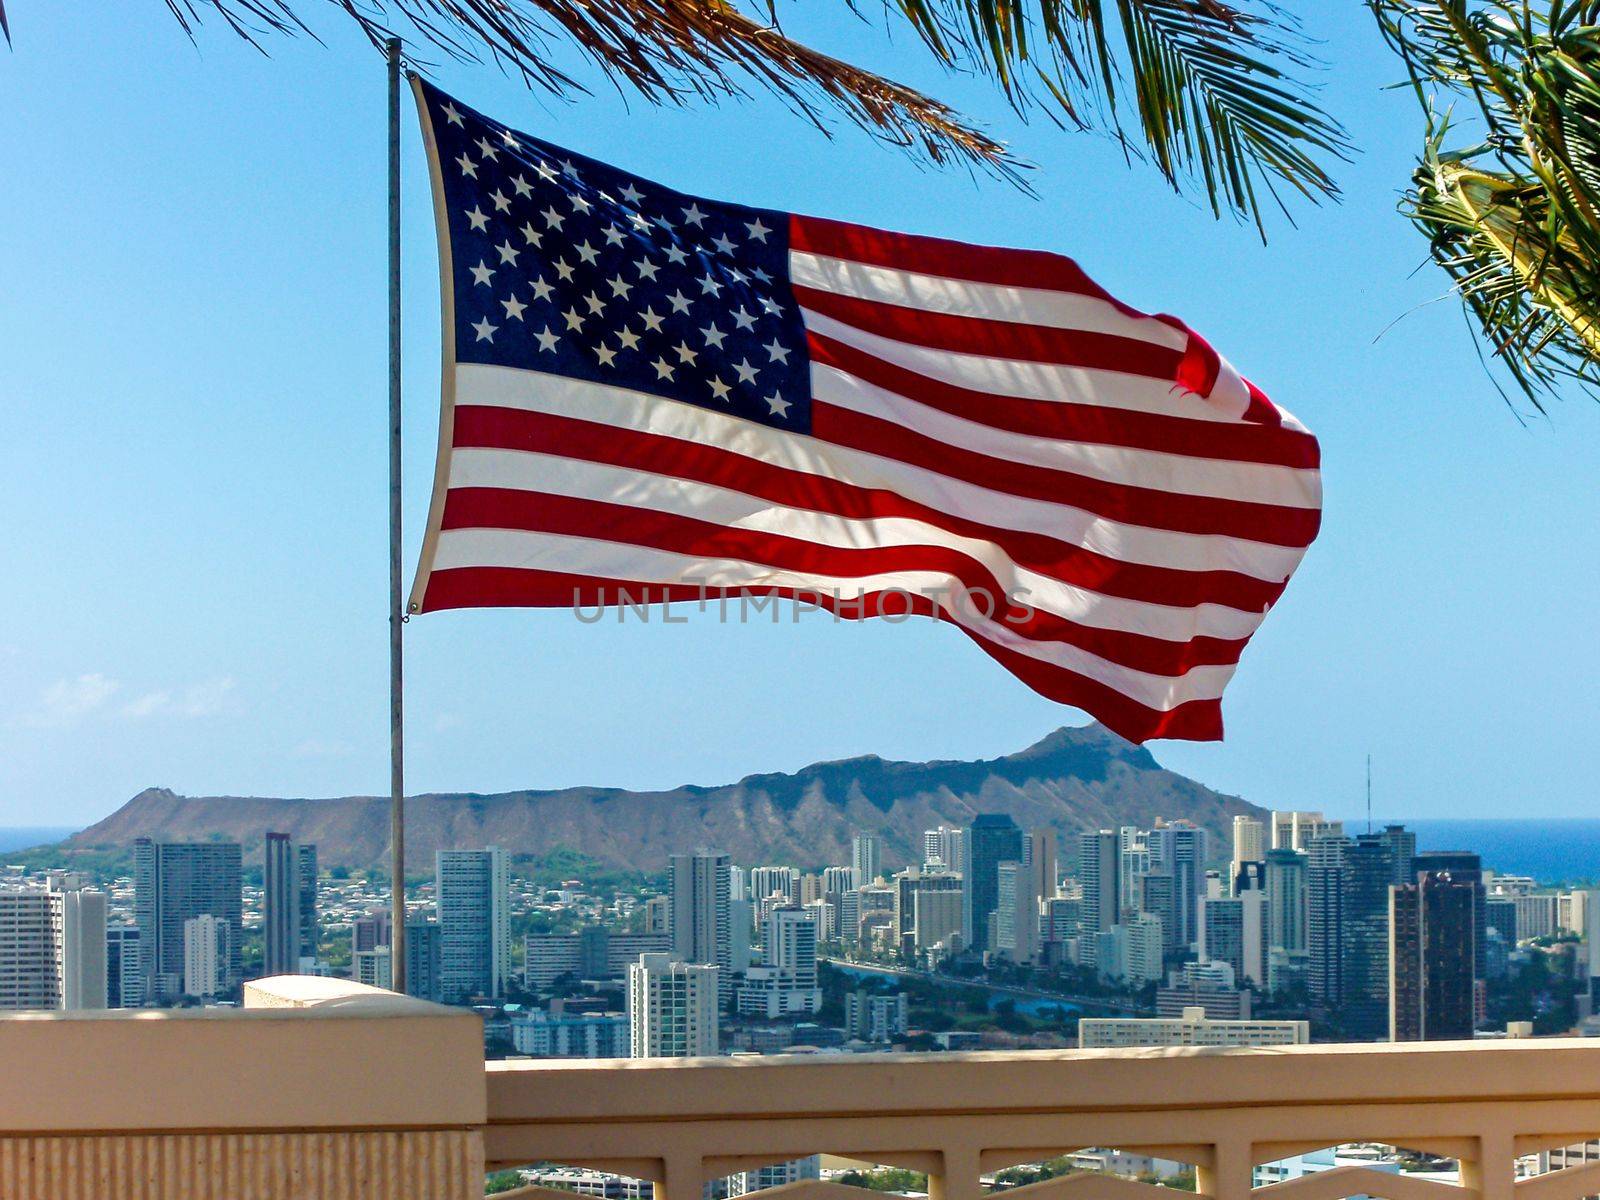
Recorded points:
(1513, 219)
(668, 51)
(1213, 87)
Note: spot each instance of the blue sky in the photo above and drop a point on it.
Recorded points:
(192, 467)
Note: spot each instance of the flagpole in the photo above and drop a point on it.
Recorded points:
(397, 792)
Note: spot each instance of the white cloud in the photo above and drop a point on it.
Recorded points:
(203, 699)
(68, 701)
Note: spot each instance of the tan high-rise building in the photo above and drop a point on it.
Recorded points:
(672, 1008)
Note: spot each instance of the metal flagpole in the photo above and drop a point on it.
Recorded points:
(397, 793)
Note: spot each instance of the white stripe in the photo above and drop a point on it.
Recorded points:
(1038, 381)
(521, 470)
(1180, 474)
(966, 298)
(523, 550)
(536, 391)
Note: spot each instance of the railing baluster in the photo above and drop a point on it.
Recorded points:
(682, 1176)
(960, 1177)
(1493, 1173)
(1227, 1176)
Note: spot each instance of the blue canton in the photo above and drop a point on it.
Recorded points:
(567, 265)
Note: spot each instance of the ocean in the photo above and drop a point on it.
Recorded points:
(1552, 850)
(22, 837)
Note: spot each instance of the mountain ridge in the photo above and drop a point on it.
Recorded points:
(1071, 779)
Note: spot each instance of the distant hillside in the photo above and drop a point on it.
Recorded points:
(1073, 779)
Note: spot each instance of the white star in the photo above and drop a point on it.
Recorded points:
(513, 308)
(541, 289)
(694, 216)
(676, 254)
(631, 194)
(629, 339)
(737, 275)
(652, 323)
(761, 275)
(640, 221)
(587, 252)
(552, 218)
(614, 235)
(486, 148)
(481, 273)
(686, 353)
(679, 302)
(508, 253)
(452, 114)
(778, 351)
(663, 223)
(758, 231)
(547, 340)
(778, 405)
(510, 139)
(710, 284)
(663, 368)
(502, 202)
(607, 197)
(605, 354)
(580, 203)
(619, 286)
(714, 336)
(771, 305)
(647, 269)
(567, 169)
(743, 319)
(722, 243)
(478, 218)
(564, 269)
(747, 373)
(546, 171)
(523, 187)
(468, 167)
(596, 305)
(719, 390)
(534, 237)
(573, 318)
(484, 330)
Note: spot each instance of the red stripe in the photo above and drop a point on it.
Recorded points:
(474, 587)
(1064, 421)
(1276, 524)
(501, 508)
(544, 433)
(996, 339)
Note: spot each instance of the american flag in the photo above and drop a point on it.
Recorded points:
(655, 396)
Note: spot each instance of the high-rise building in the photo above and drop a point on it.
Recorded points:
(53, 947)
(1297, 830)
(1132, 951)
(1233, 930)
(306, 866)
(373, 968)
(767, 882)
(908, 884)
(1016, 915)
(124, 970)
(371, 930)
(206, 953)
(474, 928)
(1402, 844)
(1158, 896)
(1288, 901)
(702, 913)
(866, 858)
(991, 839)
(1466, 868)
(838, 879)
(672, 1008)
(592, 953)
(1133, 864)
(935, 919)
(1431, 939)
(175, 882)
(1249, 844)
(1099, 865)
(1364, 965)
(1193, 1028)
(786, 981)
(424, 955)
(874, 1018)
(281, 932)
(1326, 870)
(1180, 849)
(1039, 856)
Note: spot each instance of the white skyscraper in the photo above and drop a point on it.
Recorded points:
(474, 929)
(1016, 916)
(1297, 830)
(866, 857)
(53, 948)
(207, 946)
(1249, 845)
(672, 1008)
(702, 913)
(786, 980)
